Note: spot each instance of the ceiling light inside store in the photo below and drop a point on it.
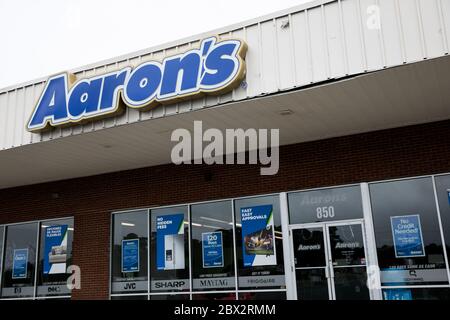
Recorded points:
(215, 220)
(127, 224)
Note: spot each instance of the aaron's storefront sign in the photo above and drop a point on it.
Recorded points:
(214, 68)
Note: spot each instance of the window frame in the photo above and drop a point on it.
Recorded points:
(38, 252)
(438, 212)
(233, 199)
(190, 292)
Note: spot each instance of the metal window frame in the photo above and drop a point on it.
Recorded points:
(373, 276)
(325, 225)
(236, 281)
(432, 176)
(52, 297)
(287, 252)
(418, 286)
(38, 251)
(275, 195)
(148, 254)
(188, 205)
(367, 225)
(231, 202)
(441, 228)
(2, 256)
(111, 241)
(35, 221)
(189, 251)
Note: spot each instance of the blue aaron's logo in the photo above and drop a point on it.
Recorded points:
(214, 68)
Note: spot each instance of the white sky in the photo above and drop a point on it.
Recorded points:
(43, 37)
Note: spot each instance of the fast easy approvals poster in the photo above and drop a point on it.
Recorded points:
(170, 242)
(258, 239)
(55, 254)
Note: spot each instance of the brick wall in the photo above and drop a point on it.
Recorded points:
(408, 151)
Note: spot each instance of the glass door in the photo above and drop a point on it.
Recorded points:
(330, 261)
(347, 263)
(311, 263)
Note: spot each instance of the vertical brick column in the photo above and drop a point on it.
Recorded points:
(91, 247)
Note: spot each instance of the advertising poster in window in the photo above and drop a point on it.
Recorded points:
(407, 235)
(20, 263)
(212, 248)
(170, 242)
(130, 255)
(55, 254)
(258, 236)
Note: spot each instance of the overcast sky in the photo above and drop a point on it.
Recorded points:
(43, 37)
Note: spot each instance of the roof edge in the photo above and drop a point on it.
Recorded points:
(273, 15)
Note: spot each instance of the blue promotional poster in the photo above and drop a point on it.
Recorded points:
(407, 235)
(130, 255)
(212, 248)
(258, 240)
(397, 294)
(170, 242)
(448, 195)
(55, 254)
(20, 264)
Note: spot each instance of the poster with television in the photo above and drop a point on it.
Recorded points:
(55, 250)
(258, 236)
(170, 242)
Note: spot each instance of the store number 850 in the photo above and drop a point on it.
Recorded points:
(325, 212)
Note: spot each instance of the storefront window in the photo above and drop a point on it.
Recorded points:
(323, 205)
(259, 243)
(407, 233)
(169, 249)
(212, 246)
(170, 297)
(55, 255)
(130, 252)
(130, 297)
(443, 195)
(20, 259)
